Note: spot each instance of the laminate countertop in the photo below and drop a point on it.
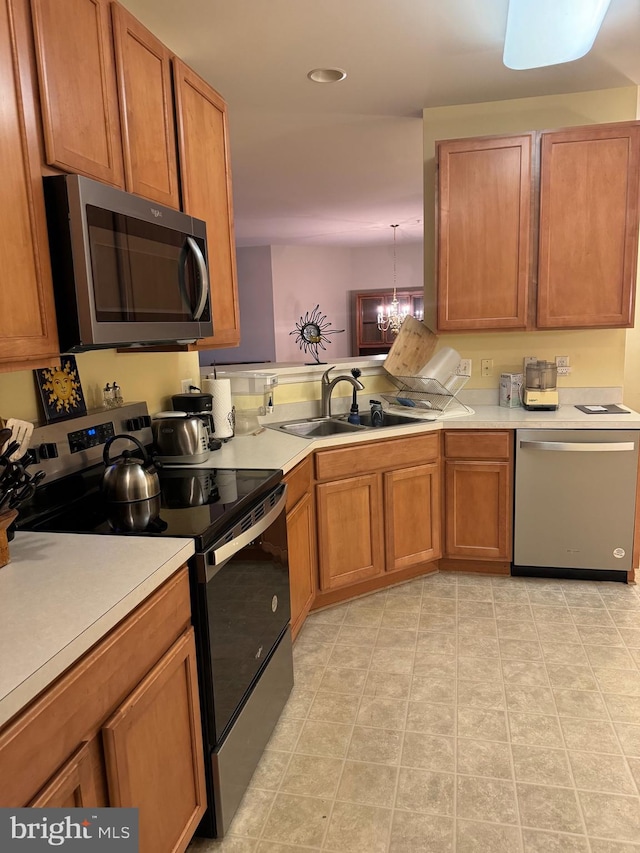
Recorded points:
(271, 448)
(62, 592)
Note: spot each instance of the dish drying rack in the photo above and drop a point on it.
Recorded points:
(424, 395)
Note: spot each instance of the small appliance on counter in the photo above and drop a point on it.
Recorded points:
(540, 392)
(200, 404)
(179, 438)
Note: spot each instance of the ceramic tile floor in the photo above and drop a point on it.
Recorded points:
(457, 713)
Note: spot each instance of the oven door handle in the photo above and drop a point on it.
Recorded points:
(217, 557)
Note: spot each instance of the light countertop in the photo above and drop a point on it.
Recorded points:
(271, 448)
(62, 592)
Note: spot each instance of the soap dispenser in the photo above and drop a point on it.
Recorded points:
(377, 415)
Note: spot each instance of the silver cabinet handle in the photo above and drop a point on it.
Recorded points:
(204, 278)
(578, 446)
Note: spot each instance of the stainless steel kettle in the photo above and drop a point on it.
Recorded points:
(128, 479)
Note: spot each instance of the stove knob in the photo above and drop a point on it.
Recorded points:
(48, 451)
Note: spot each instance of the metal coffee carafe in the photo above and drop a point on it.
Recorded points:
(540, 390)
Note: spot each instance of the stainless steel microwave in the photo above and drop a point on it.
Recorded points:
(126, 271)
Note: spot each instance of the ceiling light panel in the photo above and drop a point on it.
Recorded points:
(550, 32)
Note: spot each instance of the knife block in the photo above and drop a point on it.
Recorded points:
(6, 519)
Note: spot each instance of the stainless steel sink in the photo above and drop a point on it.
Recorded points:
(318, 428)
(338, 425)
(389, 419)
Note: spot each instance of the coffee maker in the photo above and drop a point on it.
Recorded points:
(540, 392)
(198, 403)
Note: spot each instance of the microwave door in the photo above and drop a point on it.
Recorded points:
(202, 277)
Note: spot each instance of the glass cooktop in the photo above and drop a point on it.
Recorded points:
(197, 503)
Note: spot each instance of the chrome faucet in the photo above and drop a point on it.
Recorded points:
(329, 384)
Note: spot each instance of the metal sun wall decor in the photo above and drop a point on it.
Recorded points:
(61, 390)
(312, 331)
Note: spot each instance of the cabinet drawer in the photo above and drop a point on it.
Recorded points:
(351, 460)
(478, 444)
(298, 482)
(43, 737)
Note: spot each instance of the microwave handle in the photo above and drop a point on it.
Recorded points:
(204, 277)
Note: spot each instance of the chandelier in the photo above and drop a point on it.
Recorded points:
(391, 317)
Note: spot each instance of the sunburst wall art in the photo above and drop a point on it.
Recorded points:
(61, 391)
(312, 331)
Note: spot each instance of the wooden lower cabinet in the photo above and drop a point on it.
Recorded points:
(120, 728)
(412, 515)
(350, 543)
(383, 521)
(478, 495)
(76, 785)
(154, 754)
(301, 543)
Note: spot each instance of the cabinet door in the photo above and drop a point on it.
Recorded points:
(203, 145)
(484, 232)
(74, 786)
(153, 749)
(78, 87)
(589, 199)
(146, 110)
(302, 560)
(478, 510)
(350, 536)
(412, 516)
(27, 314)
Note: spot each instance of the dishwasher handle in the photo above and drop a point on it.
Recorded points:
(579, 446)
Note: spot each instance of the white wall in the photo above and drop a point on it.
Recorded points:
(303, 277)
(372, 267)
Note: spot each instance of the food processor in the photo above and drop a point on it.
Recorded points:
(540, 392)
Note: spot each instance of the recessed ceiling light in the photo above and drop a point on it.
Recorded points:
(327, 75)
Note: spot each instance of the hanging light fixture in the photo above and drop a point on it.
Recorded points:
(391, 318)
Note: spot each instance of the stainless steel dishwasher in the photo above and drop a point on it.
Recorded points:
(575, 503)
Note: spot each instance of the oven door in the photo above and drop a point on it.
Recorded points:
(243, 610)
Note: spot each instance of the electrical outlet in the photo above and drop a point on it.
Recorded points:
(528, 359)
(563, 371)
(486, 367)
(464, 367)
(562, 361)
(185, 385)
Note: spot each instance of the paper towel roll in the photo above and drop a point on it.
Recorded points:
(220, 389)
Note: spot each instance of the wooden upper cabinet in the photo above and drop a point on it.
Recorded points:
(143, 66)
(28, 334)
(484, 232)
(589, 197)
(78, 87)
(203, 147)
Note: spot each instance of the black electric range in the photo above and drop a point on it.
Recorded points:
(239, 579)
